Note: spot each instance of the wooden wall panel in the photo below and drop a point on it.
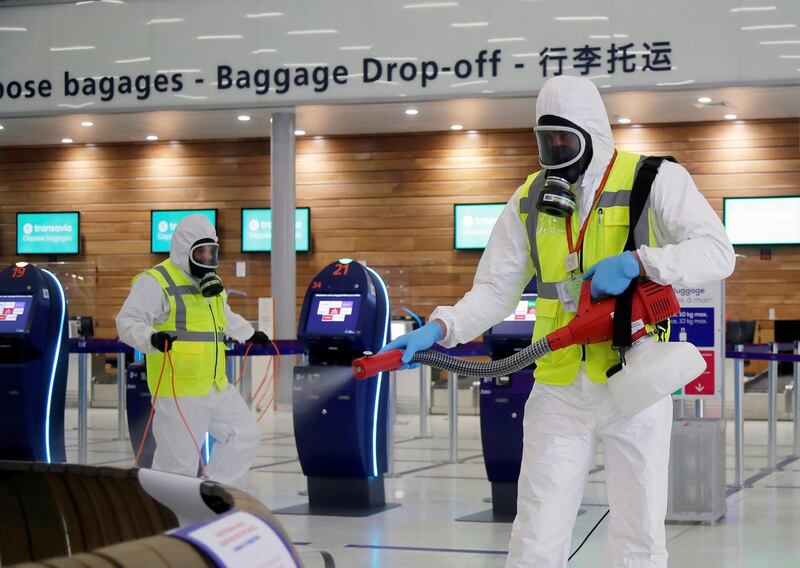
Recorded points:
(387, 199)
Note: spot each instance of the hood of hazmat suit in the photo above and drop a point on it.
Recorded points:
(577, 100)
(190, 230)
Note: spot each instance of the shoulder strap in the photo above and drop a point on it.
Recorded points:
(639, 194)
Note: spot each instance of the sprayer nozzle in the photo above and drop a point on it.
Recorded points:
(369, 366)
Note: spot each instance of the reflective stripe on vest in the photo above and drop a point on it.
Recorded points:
(606, 234)
(198, 354)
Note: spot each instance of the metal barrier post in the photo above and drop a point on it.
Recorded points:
(738, 417)
(452, 388)
(423, 404)
(231, 368)
(392, 415)
(121, 397)
(246, 386)
(772, 424)
(238, 373)
(796, 396)
(83, 396)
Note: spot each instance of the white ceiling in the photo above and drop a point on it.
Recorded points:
(487, 113)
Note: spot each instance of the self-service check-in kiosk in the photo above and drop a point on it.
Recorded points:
(340, 423)
(502, 408)
(33, 364)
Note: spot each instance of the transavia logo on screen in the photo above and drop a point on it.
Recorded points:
(33, 233)
(165, 230)
(260, 229)
(479, 224)
(29, 228)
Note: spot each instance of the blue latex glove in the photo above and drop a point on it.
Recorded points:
(417, 340)
(611, 276)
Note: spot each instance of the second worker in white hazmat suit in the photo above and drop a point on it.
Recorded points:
(567, 222)
(179, 306)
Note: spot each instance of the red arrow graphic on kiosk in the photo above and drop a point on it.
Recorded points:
(699, 388)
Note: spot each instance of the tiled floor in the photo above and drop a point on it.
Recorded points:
(760, 529)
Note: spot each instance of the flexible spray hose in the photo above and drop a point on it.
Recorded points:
(594, 322)
(489, 369)
(372, 365)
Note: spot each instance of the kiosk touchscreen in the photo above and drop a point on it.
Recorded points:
(340, 423)
(15, 313)
(33, 364)
(517, 324)
(333, 314)
(502, 407)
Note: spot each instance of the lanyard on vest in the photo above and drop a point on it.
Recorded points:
(571, 261)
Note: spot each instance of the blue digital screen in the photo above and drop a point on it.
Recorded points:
(48, 233)
(768, 220)
(257, 230)
(474, 224)
(15, 312)
(333, 314)
(163, 224)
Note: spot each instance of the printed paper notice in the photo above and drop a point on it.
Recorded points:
(240, 539)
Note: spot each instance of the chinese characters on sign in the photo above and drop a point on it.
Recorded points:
(617, 58)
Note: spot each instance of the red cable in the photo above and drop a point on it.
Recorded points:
(275, 382)
(277, 375)
(264, 380)
(264, 394)
(266, 408)
(185, 422)
(244, 361)
(269, 385)
(152, 410)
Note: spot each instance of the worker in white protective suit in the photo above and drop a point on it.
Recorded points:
(180, 307)
(570, 222)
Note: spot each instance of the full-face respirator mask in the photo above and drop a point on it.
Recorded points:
(203, 263)
(565, 151)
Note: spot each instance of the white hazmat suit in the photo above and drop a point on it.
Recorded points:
(563, 424)
(221, 413)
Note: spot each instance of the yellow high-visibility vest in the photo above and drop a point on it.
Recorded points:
(606, 234)
(198, 354)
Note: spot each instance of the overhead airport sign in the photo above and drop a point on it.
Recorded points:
(265, 81)
(149, 55)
